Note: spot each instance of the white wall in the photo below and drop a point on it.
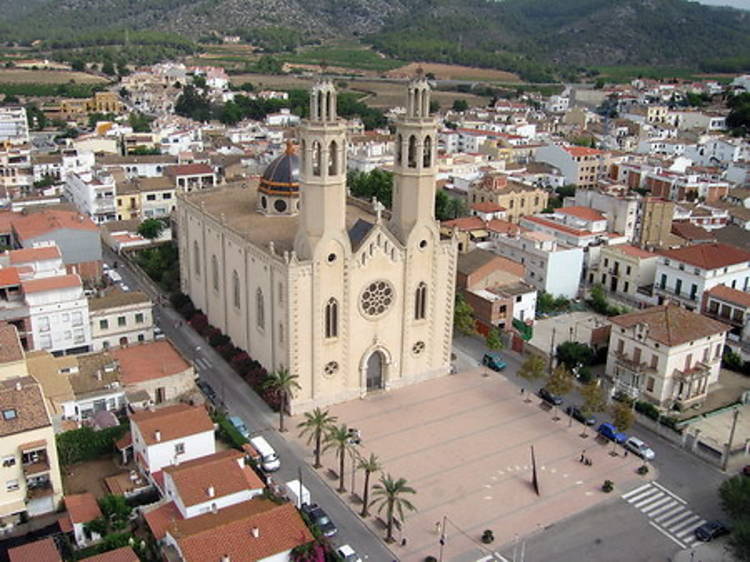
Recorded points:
(159, 455)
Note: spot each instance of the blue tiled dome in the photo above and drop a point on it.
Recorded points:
(282, 175)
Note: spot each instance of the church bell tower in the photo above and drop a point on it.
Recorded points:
(322, 177)
(414, 170)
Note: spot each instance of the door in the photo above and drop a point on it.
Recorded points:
(375, 371)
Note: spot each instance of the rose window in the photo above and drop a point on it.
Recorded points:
(377, 298)
(417, 348)
(331, 368)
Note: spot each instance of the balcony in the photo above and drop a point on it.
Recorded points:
(40, 466)
(38, 488)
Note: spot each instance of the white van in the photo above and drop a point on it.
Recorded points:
(269, 459)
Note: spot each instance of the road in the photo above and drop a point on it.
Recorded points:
(240, 400)
(653, 524)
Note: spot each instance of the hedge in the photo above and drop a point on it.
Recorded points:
(85, 444)
(228, 433)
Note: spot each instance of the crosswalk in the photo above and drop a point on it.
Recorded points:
(203, 363)
(668, 513)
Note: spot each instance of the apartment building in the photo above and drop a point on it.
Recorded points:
(119, 318)
(581, 166)
(626, 272)
(517, 199)
(145, 198)
(616, 203)
(14, 127)
(366, 152)
(93, 193)
(58, 165)
(16, 172)
(574, 226)
(684, 274)
(665, 355)
(732, 307)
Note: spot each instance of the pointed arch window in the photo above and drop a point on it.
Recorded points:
(420, 302)
(412, 154)
(316, 158)
(333, 158)
(427, 152)
(215, 272)
(196, 258)
(425, 103)
(236, 288)
(260, 310)
(332, 318)
(399, 149)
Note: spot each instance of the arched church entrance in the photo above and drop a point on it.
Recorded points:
(375, 366)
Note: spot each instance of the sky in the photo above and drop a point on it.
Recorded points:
(744, 4)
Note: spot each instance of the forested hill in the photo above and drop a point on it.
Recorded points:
(484, 32)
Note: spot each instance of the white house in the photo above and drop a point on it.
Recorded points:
(81, 510)
(93, 193)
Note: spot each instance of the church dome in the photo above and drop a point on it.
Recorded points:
(278, 190)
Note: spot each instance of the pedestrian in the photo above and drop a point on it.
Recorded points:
(583, 456)
(522, 390)
(403, 541)
(626, 453)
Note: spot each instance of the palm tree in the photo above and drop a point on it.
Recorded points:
(388, 494)
(340, 439)
(283, 382)
(369, 465)
(316, 424)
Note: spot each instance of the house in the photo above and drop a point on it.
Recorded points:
(145, 198)
(619, 206)
(168, 436)
(731, 307)
(625, 271)
(43, 549)
(81, 509)
(516, 198)
(28, 454)
(118, 318)
(256, 530)
(665, 355)
(93, 193)
(684, 274)
(191, 177)
(573, 226)
(581, 166)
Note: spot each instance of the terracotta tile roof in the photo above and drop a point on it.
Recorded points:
(581, 151)
(37, 224)
(503, 227)
(51, 283)
(730, 295)
(556, 226)
(173, 422)
(10, 345)
(465, 223)
(24, 396)
(672, 325)
(222, 471)
(27, 255)
(585, 213)
(189, 170)
(690, 231)
(161, 518)
(37, 551)
(6, 221)
(149, 361)
(708, 256)
(487, 207)
(82, 508)
(9, 277)
(124, 554)
(633, 251)
(230, 532)
(483, 260)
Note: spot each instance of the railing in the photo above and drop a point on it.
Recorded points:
(38, 489)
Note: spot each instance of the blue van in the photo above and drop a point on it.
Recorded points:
(494, 361)
(610, 432)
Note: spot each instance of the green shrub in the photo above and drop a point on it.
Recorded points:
(642, 470)
(228, 433)
(608, 486)
(85, 444)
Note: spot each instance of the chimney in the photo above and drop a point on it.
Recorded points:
(225, 558)
(214, 509)
(157, 436)
(19, 386)
(255, 532)
(211, 491)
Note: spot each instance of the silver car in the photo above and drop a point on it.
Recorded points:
(635, 445)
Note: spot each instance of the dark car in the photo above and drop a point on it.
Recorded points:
(547, 396)
(576, 413)
(320, 518)
(208, 391)
(711, 530)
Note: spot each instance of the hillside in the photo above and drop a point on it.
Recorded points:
(532, 37)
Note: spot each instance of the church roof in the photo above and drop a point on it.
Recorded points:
(358, 232)
(282, 175)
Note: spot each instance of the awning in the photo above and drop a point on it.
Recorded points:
(33, 445)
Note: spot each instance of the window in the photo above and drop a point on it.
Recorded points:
(427, 152)
(677, 287)
(412, 152)
(77, 318)
(121, 321)
(139, 318)
(663, 283)
(333, 157)
(332, 318)
(179, 448)
(44, 323)
(718, 351)
(10, 414)
(215, 272)
(650, 384)
(236, 288)
(281, 332)
(103, 324)
(620, 346)
(9, 461)
(420, 305)
(260, 313)
(654, 361)
(151, 197)
(45, 341)
(141, 337)
(196, 258)
(11, 485)
(316, 158)
(166, 196)
(627, 270)
(706, 351)
(78, 336)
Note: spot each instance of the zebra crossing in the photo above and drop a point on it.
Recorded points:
(667, 512)
(203, 364)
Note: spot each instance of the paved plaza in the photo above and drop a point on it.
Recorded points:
(463, 442)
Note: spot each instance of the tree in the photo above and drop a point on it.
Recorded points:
(434, 106)
(139, 122)
(460, 105)
(151, 228)
(735, 496)
(574, 354)
(340, 439)
(370, 465)
(315, 425)
(78, 65)
(116, 511)
(622, 416)
(389, 496)
(532, 368)
(560, 382)
(493, 340)
(108, 68)
(594, 399)
(193, 104)
(283, 383)
(463, 317)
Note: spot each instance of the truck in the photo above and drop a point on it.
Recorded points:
(298, 494)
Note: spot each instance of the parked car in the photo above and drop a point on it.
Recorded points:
(320, 518)
(347, 554)
(207, 391)
(494, 361)
(547, 396)
(610, 432)
(269, 460)
(576, 413)
(124, 288)
(711, 530)
(158, 333)
(637, 446)
(240, 426)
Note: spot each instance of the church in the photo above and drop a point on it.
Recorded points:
(348, 297)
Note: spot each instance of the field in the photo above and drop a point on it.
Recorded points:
(20, 76)
(344, 55)
(628, 73)
(454, 72)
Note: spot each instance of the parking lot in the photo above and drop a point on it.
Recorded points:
(464, 443)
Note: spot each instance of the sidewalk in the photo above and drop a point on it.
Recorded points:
(715, 551)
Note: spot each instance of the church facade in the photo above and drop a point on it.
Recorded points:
(348, 298)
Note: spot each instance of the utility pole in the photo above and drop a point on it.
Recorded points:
(552, 351)
(728, 452)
